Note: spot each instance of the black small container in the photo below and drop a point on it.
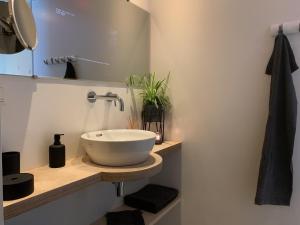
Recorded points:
(11, 163)
(17, 186)
(152, 113)
(57, 153)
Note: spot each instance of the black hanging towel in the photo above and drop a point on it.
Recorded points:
(70, 72)
(275, 182)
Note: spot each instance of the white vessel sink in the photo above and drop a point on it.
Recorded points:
(118, 147)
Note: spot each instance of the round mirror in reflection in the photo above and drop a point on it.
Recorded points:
(18, 29)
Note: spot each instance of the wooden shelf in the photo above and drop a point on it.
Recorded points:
(150, 218)
(52, 184)
(127, 173)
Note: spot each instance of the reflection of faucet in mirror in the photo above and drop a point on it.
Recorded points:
(92, 98)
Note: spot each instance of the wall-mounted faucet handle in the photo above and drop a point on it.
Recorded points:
(91, 97)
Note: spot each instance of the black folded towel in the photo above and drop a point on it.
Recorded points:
(70, 72)
(151, 198)
(130, 217)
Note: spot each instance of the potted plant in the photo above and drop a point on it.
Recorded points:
(155, 99)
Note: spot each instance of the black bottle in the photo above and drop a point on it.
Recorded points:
(57, 153)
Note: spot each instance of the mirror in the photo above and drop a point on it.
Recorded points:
(18, 31)
(103, 40)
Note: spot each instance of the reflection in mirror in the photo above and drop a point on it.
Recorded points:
(16, 22)
(9, 42)
(23, 24)
(17, 25)
(103, 40)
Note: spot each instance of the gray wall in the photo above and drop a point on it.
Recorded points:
(217, 53)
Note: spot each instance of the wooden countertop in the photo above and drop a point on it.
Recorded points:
(52, 184)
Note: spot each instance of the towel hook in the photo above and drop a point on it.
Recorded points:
(56, 60)
(280, 31)
(69, 59)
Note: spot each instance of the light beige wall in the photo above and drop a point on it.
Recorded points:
(217, 52)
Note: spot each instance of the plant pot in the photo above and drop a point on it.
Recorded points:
(154, 120)
(151, 113)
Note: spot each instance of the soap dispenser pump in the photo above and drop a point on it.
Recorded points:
(57, 153)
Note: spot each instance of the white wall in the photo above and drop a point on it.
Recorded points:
(37, 109)
(33, 112)
(217, 52)
(144, 4)
(1, 183)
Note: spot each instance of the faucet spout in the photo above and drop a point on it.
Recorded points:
(121, 103)
(92, 97)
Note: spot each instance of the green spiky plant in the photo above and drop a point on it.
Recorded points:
(152, 90)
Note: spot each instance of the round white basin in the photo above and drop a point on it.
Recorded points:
(118, 147)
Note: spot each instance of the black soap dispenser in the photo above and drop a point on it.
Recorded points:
(57, 153)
